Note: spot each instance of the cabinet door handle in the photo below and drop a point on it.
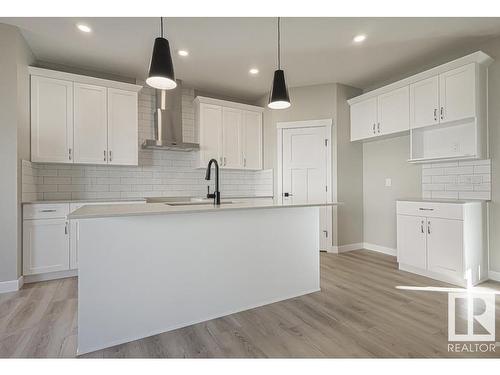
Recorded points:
(220, 160)
(373, 128)
(378, 127)
(69, 153)
(110, 155)
(428, 227)
(47, 210)
(435, 114)
(66, 228)
(326, 233)
(244, 162)
(422, 226)
(426, 209)
(224, 161)
(442, 113)
(104, 155)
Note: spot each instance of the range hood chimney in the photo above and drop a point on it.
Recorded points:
(168, 122)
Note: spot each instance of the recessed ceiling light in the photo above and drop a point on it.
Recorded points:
(183, 52)
(359, 38)
(83, 28)
(254, 71)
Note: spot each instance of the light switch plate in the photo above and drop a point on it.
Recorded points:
(388, 182)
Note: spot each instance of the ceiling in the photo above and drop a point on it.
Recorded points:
(222, 50)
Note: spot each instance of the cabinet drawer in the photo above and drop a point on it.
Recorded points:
(431, 209)
(45, 211)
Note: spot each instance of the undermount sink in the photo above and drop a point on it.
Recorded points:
(196, 203)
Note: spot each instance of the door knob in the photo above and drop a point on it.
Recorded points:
(287, 194)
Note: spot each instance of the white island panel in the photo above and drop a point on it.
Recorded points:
(143, 275)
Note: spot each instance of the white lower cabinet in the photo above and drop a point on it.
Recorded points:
(444, 241)
(50, 241)
(45, 246)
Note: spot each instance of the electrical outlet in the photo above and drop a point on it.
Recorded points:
(455, 147)
(388, 182)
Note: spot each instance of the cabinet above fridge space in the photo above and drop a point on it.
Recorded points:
(82, 120)
(444, 109)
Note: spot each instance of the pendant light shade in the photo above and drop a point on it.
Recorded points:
(161, 70)
(278, 98)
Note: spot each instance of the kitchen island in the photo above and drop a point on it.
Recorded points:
(150, 268)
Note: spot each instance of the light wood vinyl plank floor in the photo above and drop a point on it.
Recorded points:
(359, 312)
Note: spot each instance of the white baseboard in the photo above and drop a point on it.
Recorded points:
(350, 247)
(49, 276)
(494, 275)
(11, 285)
(380, 249)
(367, 246)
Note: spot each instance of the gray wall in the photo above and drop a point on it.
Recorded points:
(386, 159)
(349, 172)
(14, 143)
(321, 102)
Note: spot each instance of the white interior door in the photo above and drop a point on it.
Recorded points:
(304, 178)
(90, 124)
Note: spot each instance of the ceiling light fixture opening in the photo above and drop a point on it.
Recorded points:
(183, 53)
(359, 38)
(254, 71)
(84, 28)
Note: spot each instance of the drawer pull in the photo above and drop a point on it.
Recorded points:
(422, 227)
(48, 210)
(426, 209)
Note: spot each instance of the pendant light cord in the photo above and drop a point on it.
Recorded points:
(279, 45)
(161, 26)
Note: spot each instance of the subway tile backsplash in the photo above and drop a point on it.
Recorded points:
(159, 173)
(469, 179)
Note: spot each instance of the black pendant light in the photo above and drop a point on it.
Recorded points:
(279, 99)
(161, 70)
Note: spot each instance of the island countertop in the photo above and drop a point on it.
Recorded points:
(117, 210)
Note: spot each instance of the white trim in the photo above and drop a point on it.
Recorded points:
(49, 276)
(380, 249)
(304, 124)
(41, 72)
(227, 103)
(331, 152)
(11, 285)
(478, 57)
(350, 247)
(494, 275)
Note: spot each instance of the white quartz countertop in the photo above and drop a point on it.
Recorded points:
(443, 200)
(117, 210)
(97, 200)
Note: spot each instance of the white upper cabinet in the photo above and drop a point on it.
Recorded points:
(252, 140)
(229, 132)
(444, 109)
(424, 103)
(381, 115)
(210, 133)
(457, 93)
(122, 127)
(80, 119)
(364, 119)
(393, 111)
(51, 120)
(232, 156)
(90, 124)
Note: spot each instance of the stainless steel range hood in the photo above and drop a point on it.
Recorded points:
(168, 122)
